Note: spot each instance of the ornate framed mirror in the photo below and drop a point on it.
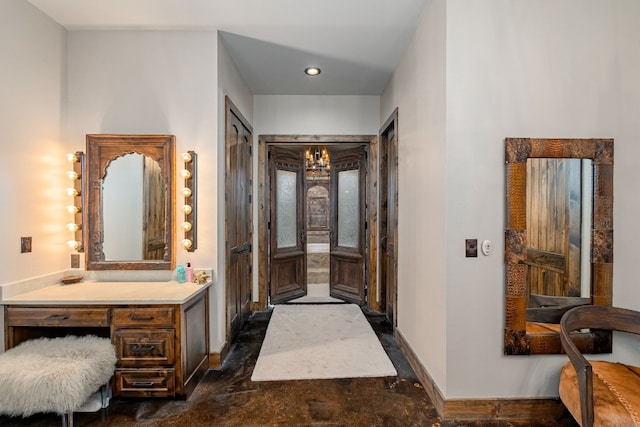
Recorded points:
(130, 211)
(558, 239)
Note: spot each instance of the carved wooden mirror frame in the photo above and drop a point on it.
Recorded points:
(517, 151)
(102, 149)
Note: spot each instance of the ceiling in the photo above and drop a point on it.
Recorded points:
(356, 43)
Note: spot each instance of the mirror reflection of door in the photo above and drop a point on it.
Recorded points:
(287, 267)
(134, 209)
(559, 214)
(347, 227)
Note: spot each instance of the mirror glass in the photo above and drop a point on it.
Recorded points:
(130, 202)
(559, 211)
(133, 196)
(558, 239)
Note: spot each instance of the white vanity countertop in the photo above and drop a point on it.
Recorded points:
(110, 293)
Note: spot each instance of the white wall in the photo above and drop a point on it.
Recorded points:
(33, 162)
(538, 69)
(154, 82)
(417, 88)
(316, 115)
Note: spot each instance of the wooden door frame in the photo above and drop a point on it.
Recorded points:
(229, 109)
(371, 205)
(391, 121)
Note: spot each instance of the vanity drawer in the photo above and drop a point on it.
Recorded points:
(57, 316)
(145, 347)
(135, 316)
(144, 382)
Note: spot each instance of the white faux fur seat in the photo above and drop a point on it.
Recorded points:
(54, 374)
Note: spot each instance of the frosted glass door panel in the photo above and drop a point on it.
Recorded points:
(348, 208)
(286, 205)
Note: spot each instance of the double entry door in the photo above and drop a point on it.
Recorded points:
(287, 224)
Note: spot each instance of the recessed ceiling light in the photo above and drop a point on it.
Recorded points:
(312, 71)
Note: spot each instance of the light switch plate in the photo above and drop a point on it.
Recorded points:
(471, 248)
(25, 245)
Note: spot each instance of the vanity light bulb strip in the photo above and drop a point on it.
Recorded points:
(76, 193)
(190, 174)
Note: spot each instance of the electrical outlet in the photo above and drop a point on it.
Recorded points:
(75, 261)
(25, 245)
(471, 248)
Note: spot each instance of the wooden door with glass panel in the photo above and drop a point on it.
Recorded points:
(347, 231)
(287, 276)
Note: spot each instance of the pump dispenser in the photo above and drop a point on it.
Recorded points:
(189, 273)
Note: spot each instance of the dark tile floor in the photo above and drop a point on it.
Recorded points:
(227, 397)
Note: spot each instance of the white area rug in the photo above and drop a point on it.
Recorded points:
(320, 341)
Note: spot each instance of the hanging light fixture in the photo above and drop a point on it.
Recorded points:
(318, 161)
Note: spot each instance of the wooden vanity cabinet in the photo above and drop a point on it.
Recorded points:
(162, 349)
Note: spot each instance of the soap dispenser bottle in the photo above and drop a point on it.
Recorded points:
(189, 273)
(181, 274)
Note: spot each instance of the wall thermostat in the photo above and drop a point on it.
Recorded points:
(486, 247)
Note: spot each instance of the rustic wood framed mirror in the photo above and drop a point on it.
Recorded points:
(542, 278)
(130, 211)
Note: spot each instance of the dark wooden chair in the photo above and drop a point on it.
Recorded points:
(615, 399)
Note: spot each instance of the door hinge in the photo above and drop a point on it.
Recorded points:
(269, 225)
(250, 150)
(366, 291)
(366, 225)
(250, 198)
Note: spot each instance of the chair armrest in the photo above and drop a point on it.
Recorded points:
(583, 369)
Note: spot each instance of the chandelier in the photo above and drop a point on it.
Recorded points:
(317, 160)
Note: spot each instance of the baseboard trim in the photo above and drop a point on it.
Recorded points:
(216, 359)
(429, 385)
(480, 409)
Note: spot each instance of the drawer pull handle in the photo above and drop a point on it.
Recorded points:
(57, 317)
(141, 348)
(136, 317)
(142, 384)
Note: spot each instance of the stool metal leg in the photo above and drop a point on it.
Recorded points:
(67, 419)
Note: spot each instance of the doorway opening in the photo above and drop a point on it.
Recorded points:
(333, 236)
(317, 226)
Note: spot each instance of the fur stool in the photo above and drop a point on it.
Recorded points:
(54, 375)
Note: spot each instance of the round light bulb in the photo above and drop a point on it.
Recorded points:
(186, 226)
(186, 209)
(73, 209)
(186, 174)
(73, 227)
(186, 157)
(73, 175)
(187, 243)
(72, 157)
(72, 192)
(312, 71)
(73, 244)
(186, 192)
